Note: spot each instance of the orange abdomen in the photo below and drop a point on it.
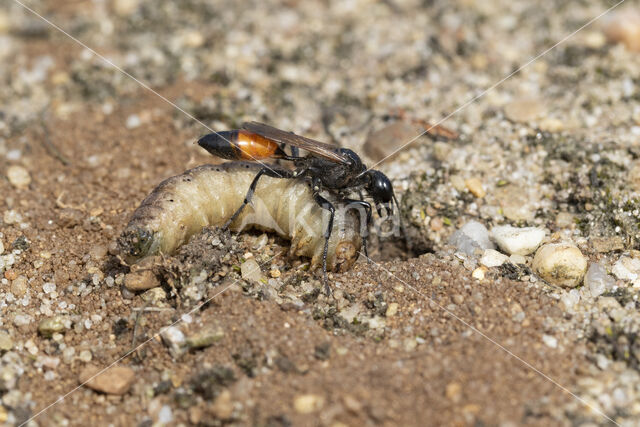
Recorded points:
(255, 147)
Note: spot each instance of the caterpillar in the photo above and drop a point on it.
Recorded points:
(208, 195)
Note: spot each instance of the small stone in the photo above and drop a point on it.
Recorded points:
(626, 268)
(492, 258)
(479, 273)
(524, 110)
(308, 403)
(133, 121)
(453, 392)
(560, 264)
(174, 338)
(516, 259)
(165, 415)
(607, 244)
(18, 176)
(384, 142)
(474, 185)
(12, 217)
(98, 252)
(550, 341)
(597, 280)
(250, 270)
(141, 280)
(570, 299)
(6, 343)
(392, 309)
(155, 296)
(551, 124)
(85, 356)
(275, 273)
(623, 26)
(125, 7)
(116, 380)
(514, 240)
(205, 338)
(471, 237)
(51, 325)
(19, 286)
(222, 407)
(1, 247)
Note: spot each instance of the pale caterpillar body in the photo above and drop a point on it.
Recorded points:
(208, 195)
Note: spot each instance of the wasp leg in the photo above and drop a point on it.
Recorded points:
(280, 173)
(365, 235)
(325, 204)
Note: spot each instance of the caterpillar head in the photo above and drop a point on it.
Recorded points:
(135, 243)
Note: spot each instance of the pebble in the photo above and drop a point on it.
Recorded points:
(125, 7)
(474, 185)
(479, 273)
(382, 143)
(205, 338)
(141, 280)
(453, 391)
(550, 341)
(626, 268)
(85, 356)
(6, 343)
(165, 415)
(524, 110)
(597, 280)
(51, 325)
(222, 407)
(514, 240)
(308, 403)
(19, 286)
(116, 380)
(174, 338)
(471, 237)
(133, 121)
(570, 299)
(560, 264)
(18, 176)
(12, 217)
(492, 258)
(623, 26)
(392, 309)
(251, 270)
(1, 247)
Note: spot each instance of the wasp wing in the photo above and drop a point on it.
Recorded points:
(318, 148)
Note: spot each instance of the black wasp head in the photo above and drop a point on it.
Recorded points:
(381, 191)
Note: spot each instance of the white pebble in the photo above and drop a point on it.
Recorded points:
(520, 241)
(18, 176)
(550, 341)
(492, 258)
(85, 356)
(471, 237)
(48, 287)
(12, 217)
(165, 416)
(597, 280)
(1, 247)
(570, 299)
(560, 264)
(133, 121)
(626, 268)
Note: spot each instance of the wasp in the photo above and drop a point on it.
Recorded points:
(326, 167)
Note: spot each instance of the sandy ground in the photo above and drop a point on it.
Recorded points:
(423, 337)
